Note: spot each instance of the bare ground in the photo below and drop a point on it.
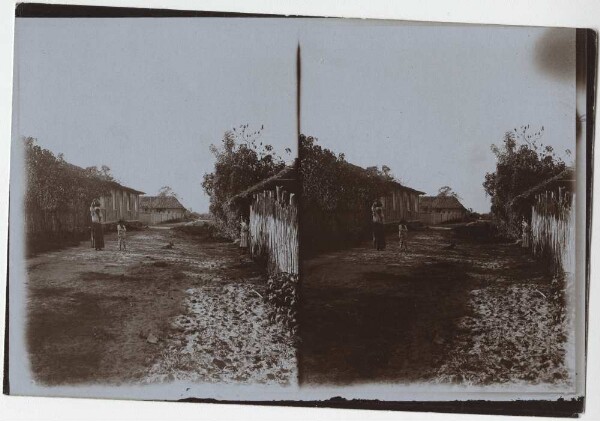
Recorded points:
(153, 314)
(449, 310)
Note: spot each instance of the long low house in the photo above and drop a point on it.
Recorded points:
(74, 219)
(401, 203)
(122, 203)
(439, 209)
(158, 209)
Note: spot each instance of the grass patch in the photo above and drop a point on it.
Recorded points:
(202, 231)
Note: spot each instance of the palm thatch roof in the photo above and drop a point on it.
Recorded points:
(116, 185)
(564, 179)
(436, 203)
(110, 183)
(286, 178)
(160, 202)
(373, 171)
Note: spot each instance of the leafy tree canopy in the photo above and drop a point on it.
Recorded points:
(330, 183)
(167, 191)
(242, 160)
(446, 191)
(336, 195)
(522, 162)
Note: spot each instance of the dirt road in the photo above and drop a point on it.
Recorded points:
(449, 310)
(155, 313)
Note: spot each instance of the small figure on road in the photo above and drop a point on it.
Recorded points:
(403, 234)
(97, 231)
(121, 235)
(378, 225)
(244, 234)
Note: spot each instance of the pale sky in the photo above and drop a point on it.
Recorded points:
(429, 100)
(148, 96)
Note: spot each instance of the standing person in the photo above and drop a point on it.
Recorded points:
(378, 227)
(121, 235)
(403, 234)
(98, 233)
(244, 231)
(524, 234)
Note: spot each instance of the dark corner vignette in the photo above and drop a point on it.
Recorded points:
(559, 408)
(43, 10)
(587, 56)
(5, 379)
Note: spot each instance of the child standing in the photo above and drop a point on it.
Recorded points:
(121, 232)
(244, 234)
(525, 232)
(402, 234)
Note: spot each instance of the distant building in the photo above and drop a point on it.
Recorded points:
(157, 209)
(401, 203)
(439, 209)
(122, 203)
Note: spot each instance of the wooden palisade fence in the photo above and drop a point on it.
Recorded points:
(274, 229)
(553, 229)
(274, 236)
(74, 221)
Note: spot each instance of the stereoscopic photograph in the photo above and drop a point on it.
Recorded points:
(247, 208)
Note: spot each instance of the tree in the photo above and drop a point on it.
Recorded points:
(241, 162)
(167, 191)
(522, 162)
(446, 191)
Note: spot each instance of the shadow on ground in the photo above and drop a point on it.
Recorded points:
(369, 316)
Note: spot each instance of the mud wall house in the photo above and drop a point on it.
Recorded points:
(158, 209)
(273, 220)
(435, 210)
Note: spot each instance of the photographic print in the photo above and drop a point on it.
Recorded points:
(154, 220)
(439, 211)
(319, 212)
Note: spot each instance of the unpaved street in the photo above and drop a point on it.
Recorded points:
(449, 310)
(155, 313)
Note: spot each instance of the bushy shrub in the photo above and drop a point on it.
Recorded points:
(282, 293)
(203, 231)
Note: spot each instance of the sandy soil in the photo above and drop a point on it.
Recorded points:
(449, 310)
(152, 314)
